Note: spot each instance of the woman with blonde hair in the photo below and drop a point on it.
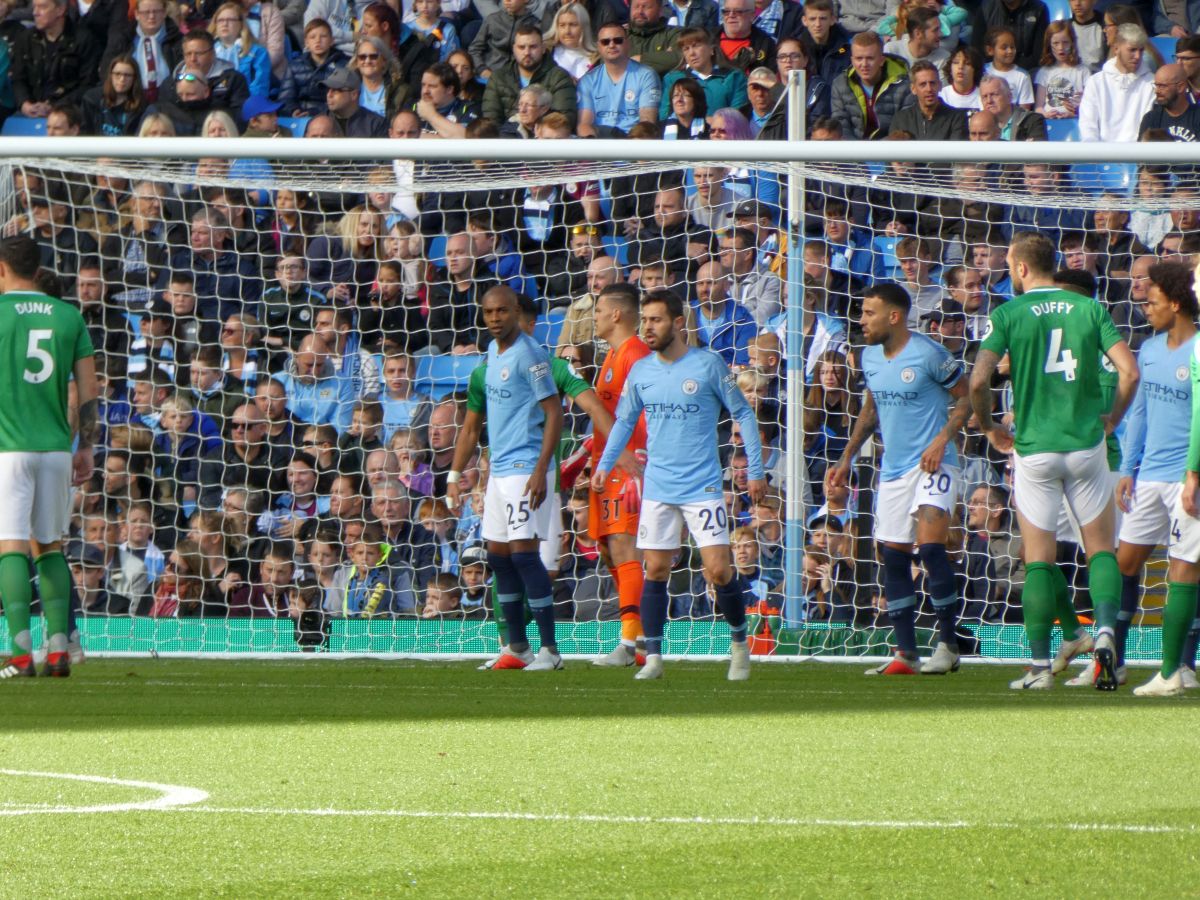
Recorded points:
(384, 90)
(234, 42)
(344, 265)
(570, 37)
(156, 125)
(219, 124)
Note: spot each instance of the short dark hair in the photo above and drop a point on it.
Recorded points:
(70, 111)
(281, 551)
(527, 306)
(624, 295)
(672, 300)
(445, 73)
(922, 65)
(199, 34)
(1175, 280)
(1076, 281)
(891, 294)
(917, 19)
(21, 254)
(526, 28)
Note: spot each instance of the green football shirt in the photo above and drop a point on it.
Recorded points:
(568, 383)
(41, 339)
(1055, 341)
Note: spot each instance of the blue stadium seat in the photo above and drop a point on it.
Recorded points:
(1058, 9)
(549, 326)
(1105, 178)
(23, 126)
(1166, 46)
(437, 252)
(1062, 129)
(884, 262)
(297, 125)
(445, 373)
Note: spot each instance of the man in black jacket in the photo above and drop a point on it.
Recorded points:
(341, 95)
(931, 118)
(246, 460)
(154, 41)
(53, 61)
(227, 86)
(1027, 19)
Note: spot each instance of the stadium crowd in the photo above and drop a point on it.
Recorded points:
(277, 435)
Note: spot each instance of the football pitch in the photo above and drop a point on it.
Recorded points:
(153, 778)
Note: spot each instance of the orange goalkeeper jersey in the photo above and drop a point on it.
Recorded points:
(610, 384)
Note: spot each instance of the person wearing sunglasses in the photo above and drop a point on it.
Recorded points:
(228, 86)
(384, 90)
(619, 93)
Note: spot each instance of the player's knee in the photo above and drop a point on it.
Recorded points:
(718, 574)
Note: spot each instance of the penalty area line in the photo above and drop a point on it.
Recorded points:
(170, 796)
(714, 821)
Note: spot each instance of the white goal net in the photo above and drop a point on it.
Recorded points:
(286, 333)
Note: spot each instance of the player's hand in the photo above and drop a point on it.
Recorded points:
(82, 464)
(837, 476)
(1109, 425)
(598, 478)
(535, 488)
(931, 459)
(999, 437)
(1125, 493)
(632, 462)
(1191, 485)
(453, 496)
(756, 489)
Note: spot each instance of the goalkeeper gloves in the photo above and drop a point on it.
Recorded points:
(568, 472)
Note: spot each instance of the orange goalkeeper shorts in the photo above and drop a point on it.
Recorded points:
(615, 510)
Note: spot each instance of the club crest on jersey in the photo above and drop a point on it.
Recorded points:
(629, 95)
(689, 386)
(1181, 374)
(908, 375)
(504, 373)
(987, 330)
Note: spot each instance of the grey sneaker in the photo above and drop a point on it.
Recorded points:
(620, 657)
(1068, 650)
(653, 669)
(1161, 687)
(545, 661)
(739, 662)
(1034, 680)
(944, 659)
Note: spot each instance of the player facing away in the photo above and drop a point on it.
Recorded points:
(917, 396)
(43, 342)
(1054, 339)
(613, 511)
(525, 416)
(682, 391)
(1154, 452)
(569, 385)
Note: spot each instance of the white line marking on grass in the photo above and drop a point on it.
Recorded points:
(604, 819)
(171, 796)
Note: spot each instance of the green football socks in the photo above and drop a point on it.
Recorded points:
(1067, 617)
(1038, 606)
(1104, 584)
(54, 587)
(1177, 619)
(17, 594)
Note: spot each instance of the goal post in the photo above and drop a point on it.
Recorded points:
(180, 250)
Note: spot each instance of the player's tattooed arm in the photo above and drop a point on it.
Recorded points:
(986, 364)
(960, 411)
(864, 427)
(89, 422)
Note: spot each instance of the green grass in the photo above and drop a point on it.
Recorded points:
(828, 756)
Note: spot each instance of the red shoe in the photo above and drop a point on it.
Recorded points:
(897, 665)
(510, 660)
(19, 667)
(639, 659)
(58, 665)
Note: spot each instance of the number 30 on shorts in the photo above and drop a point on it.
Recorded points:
(937, 483)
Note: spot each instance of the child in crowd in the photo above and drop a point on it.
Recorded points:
(1001, 48)
(369, 585)
(1062, 76)
(443, 596)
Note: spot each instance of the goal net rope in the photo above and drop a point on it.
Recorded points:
(286, 330)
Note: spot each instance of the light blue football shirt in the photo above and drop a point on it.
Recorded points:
(616, 103)
(912, 394)
(1155, 442)
(517, 381)
(683, 402)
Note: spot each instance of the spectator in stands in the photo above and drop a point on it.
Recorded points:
(994, 571)
(867, 95)
(241, 339)
(384, 90)
(210, 394)
(349, 358)
(1047, 215)
(578, 326)
(227, 86)
(741, 44)
(530, 65)
(754, 288)
(722, 86)
(965, 287)
(289, 305)
(137, 541)
(1000, 45)
(1173, 110)
(248, 459)
(342, 90)
(55, 60)
(915, 256)
(1026, 19)
(189, 106)
(472, 88)
(343, 266)
(688, 112)
(441, 112)
(712, 205)
(224, 280)
(376, 582)
(492, 44)
(444, 422)
(186, 437)
(652, 41)
(303, 92)
(770, 241)
(989, 257)
(495, 256)
(921, 41)
(437, 31)
(982, 126)
(849, 246)
(930, 118)
(316, 393)
(114, 108)
(1117, 97)
(136, 255)
(1187, 54)
(672, 236)
(153, 41)
(89, 572)
(1061, 78)
(830, 410)
(1015, 123)
(613, 97)
(454, 301)
(826, 43)
(303, 501)
(726, 327)
(572, 39)
(961, 75)
(1128, 310)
